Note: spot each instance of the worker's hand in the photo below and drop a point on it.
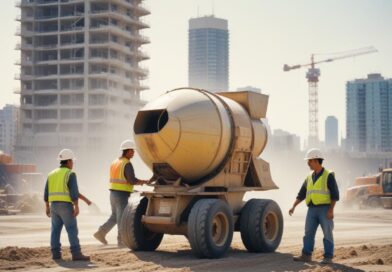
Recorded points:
(47, 211)
(291, 211)
(330, 214)
(76, 210)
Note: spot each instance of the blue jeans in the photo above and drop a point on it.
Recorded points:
(62, 215)
(118, 202)
(317, 215)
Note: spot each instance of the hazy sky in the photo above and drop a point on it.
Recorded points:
(264, 35)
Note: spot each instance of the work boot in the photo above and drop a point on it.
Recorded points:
(100, 236)
(80, 257)
(303, 258)
(326, 260)
(56, 256)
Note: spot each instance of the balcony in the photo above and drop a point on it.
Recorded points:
(76, 14)
(64, 2)
(47, 46)
(141, 9)
(23, 32)
(73, 60)
(141, 55)
(115, 29)
(120, 16)
(43, 32)
(46, 76)
(18, 46)
(29, 3)
(24, 62)
(25, 18)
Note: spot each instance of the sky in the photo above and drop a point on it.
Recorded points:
(264, 35)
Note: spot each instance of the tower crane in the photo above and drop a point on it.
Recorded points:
(312, 76)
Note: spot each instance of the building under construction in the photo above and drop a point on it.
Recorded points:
(80, 74)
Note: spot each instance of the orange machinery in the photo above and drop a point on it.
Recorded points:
(371, 191)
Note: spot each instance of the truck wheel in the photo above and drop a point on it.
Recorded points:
(261, 225)
(133, 233)
(210, 228)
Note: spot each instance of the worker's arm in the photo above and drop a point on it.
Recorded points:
(74, 192)
(85, 199)
(129, 174)
(46, 199)
(334, 191)
(300, 197)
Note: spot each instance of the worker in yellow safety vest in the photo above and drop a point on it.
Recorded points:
(61, 197)
(320, 191)
(121, 183)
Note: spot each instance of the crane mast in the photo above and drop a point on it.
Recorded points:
(312, 76)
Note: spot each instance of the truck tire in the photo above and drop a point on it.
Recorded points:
(261, 225)
(133, 233)
(210, 228)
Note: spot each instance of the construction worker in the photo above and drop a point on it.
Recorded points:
(61, 198)
(122, 180)
(320, 192)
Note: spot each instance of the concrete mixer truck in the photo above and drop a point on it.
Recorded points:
(203, 149)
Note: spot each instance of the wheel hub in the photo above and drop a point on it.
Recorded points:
(220, 229)
(270, 226)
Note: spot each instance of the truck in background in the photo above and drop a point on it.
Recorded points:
(20, 186)
(371, 191)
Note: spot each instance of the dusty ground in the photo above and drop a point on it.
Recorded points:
(363, 243)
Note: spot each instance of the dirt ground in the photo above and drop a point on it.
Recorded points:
(363, 243)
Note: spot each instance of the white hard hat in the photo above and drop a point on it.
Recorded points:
(127, 144)
(66, 154)
(313, 153)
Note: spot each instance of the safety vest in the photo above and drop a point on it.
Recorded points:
(58, 185)
(118, 182)
(318, 191)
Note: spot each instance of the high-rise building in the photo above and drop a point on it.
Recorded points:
(80, 74)
(284, 141)
(208, 56)
(9, 116)
(369, 114)
(331, 132)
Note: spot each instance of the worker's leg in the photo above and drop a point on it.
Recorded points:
(57, 226)
(111, 222)
(121, 205)
(327, 227)
(71, 226)
(311, 226)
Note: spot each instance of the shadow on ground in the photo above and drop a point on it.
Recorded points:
(75, 265)
(236, 260)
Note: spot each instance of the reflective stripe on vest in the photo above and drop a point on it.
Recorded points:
(318, 191)
(58, 185)
(118, 182)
